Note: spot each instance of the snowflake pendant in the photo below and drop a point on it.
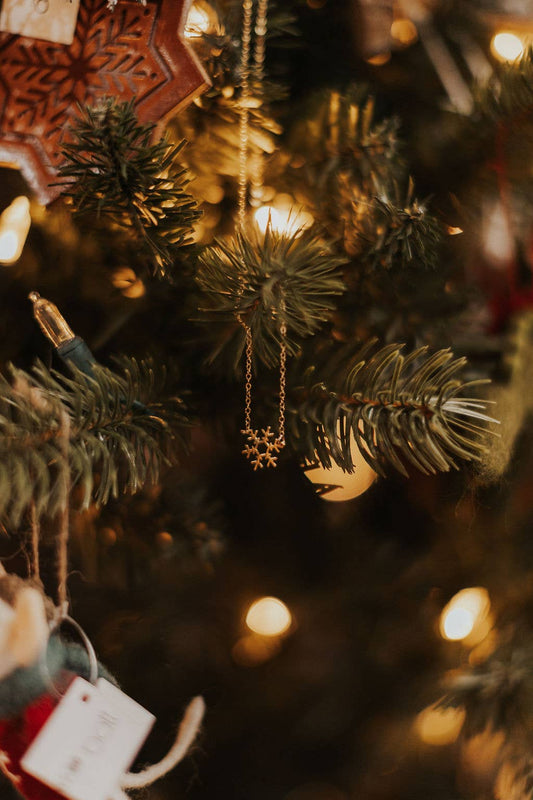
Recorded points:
(262, 448)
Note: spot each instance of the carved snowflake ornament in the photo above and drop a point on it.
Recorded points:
(262, 449)
(135, 51)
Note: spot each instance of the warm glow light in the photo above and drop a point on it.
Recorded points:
(197, 23)
(267, 214)
(465, 614)
(458, 623)
(496, 236)
(507, 46)
(379, 60)
(439, 726)
(268, 617)
(15, 223)
(9, 246)
(404, 31)
(283, 220)
(108, 536)
(125, 279)
(349, 484)
(164, 540)
(252, 650)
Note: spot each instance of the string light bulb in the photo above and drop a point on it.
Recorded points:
(269, 616)
(15, 222)
(466, 616)
(507, 46)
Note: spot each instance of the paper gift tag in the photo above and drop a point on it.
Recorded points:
(89, 741)
(53, 20)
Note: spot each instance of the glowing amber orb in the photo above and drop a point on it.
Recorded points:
(466, 612)
(507, 46)
(439, 726)
(269, 616)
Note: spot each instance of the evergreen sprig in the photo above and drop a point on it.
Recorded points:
(498, 692)
(264, 279)
(342, 139)
(509, 92)
(398, 236)
(117, 438)
(115, 171)
(220, 45)
(399, 409)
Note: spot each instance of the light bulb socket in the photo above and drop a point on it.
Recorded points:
(76, 353)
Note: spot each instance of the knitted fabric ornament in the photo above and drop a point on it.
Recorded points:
(26, 699)
(25, 705)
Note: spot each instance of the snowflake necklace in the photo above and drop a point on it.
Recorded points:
(262, 445)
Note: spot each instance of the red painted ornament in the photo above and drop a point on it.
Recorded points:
(133, 52)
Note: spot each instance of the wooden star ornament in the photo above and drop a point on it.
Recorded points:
(134, 52)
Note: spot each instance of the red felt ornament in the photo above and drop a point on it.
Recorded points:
(16, 735)
(135, 52)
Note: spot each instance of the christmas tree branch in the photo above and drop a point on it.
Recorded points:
(261, 280)
(117, 438)
(114, 171)
(393, 235)
(398, 409)
(508, 95)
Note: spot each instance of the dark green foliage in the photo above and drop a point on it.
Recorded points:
(109, 434)
(211, 124)
(263, 280)
(353, 168)
(399, 409)
(344, 142)
(497, 697)
(343, 153)
(401, 236)
(219, 45)
(116, 172)
(509, 93)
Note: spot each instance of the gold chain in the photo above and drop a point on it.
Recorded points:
(244, 109)
(256, 166)
(282, 382)
(248, 385)
(262, 446)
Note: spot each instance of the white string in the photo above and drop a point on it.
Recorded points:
(187, 733)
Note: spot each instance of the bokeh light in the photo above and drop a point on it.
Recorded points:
(15, 223)
(9, 246)
(439, 726)
(197, 22)
(466, 614)
(286, 220)
(269, 616)
(507, 46)
(404, 31)
(129, 284)
(253, 650)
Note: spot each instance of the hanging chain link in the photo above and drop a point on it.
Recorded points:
(248, 379)
(244, 108)
(262, 446)
(256, 161)
(282, 382)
